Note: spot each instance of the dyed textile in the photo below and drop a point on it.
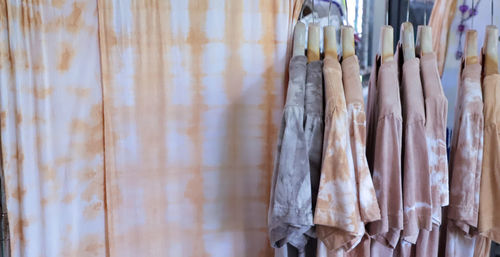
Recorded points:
(141, 128)
(337, 210)
(436, 109)
(384, 139)
(290, 209)
(489, 198)
(416, 173)
(465, 164)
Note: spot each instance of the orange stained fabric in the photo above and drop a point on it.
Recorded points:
(489, 198)
(141, 128)
(440, 21)
(51, 128)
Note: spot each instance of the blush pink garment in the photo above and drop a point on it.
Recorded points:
(337, 211)
(384, 153)
(436, 109)
(465, 164)
(415, 163)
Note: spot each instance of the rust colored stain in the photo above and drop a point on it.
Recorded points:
(58, 3)
(80, 92)
(68, 198)
(93, 210)
(195, 194)
(19, 118)
(74, 22)
(94, 188)
(42, 93)
(89, 246)
(18, 194)
(3, 116)
(66, 57)
(48, 173)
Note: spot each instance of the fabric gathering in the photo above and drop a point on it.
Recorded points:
(222, 128)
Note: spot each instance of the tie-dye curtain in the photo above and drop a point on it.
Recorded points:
(141, 128)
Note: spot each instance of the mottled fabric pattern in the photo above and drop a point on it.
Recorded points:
(489, 204)
(467, 150)
(367, 200)
(384, 151)
(314, 127)
(337, 209)
(436, 109)
(465, 164)
(290, 210)
(416, 174)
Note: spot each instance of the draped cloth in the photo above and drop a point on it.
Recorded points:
(141, 128)
(440, 21)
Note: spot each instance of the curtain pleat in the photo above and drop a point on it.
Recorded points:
(440, 21)
(52, 127)
(141, 128)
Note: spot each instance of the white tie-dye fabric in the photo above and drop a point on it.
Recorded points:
(141, 128)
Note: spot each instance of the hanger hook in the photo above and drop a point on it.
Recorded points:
(386, 12)
(313, 10)
(329, 11)
(473, 14)
(408, 11)
(492, 12)
(346, 14)
(425, 12)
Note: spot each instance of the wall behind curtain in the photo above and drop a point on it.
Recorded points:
(141, 128)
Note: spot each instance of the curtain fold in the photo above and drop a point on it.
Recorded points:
(51, 128)
(141, 128)
(440, 21)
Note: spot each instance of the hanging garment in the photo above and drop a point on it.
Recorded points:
(384, 155)
(314, 130)
(436, 110)
(290, 210)
(415, 163)
(314, 127)
(427, 242)
(367, 200)
(337, 212)
(489, 204)
(368, 205)
(465, 163)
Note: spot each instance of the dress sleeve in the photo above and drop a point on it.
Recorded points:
(368, 205)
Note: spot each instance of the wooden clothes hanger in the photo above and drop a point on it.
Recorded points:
(407, 38)
(330, 41)
(330, 38)
(471, 48)
(347, 36)
(490, 48)
(408, 45)
(299, 39)
(313, 43)
(424, 40)
(424, 36)
(386, 43)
